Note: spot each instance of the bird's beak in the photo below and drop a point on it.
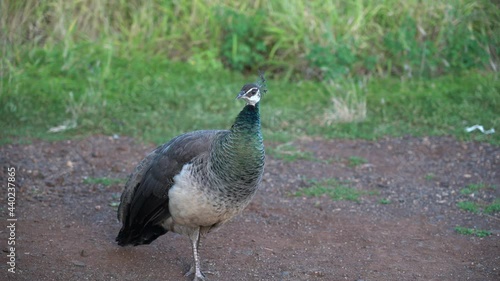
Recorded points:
(240, 94)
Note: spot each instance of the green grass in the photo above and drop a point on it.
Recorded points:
(472, 231)
(472, 188)
(154, 69)
(476, 207)
(354, 161)
(103, 181)
(332, 188)
(430, 176)
(468, 206)
(493, 207)
(103, 92)
(332, 40)
(384, 201)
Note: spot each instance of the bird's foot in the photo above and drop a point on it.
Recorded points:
(198, 275)
(199, 278)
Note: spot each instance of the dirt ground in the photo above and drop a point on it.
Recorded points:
(66, 224)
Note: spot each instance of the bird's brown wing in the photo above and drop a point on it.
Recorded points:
(144, 201)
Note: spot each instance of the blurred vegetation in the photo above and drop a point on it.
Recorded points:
(316, 38)
(155, 69)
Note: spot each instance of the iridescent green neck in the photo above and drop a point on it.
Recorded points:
(247, 122)
(239, 155)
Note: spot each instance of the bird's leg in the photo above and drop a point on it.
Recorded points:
(192, 266)
(196, 267)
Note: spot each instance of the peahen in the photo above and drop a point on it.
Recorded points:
(195, 182)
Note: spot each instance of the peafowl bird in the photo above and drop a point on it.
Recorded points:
(195, 182)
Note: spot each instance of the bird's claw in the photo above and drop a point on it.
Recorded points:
(198, 276)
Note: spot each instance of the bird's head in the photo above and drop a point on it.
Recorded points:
(252, 93)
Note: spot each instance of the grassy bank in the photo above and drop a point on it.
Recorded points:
(154, 69)
(92, 90)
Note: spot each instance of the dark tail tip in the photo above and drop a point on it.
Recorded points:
(135, 237)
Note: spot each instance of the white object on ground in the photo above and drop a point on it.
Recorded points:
(480, 128)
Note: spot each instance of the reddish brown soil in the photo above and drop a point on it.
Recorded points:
(66, 226)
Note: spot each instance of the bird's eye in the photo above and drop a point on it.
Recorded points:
(252, 92)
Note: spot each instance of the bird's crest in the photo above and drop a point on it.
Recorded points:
(252, 92)
(261, 83)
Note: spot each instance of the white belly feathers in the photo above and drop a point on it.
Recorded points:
(202, 211)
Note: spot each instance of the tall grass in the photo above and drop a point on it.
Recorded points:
(318, 39)
(154, 69)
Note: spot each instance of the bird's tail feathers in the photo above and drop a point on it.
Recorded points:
(139, 236)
